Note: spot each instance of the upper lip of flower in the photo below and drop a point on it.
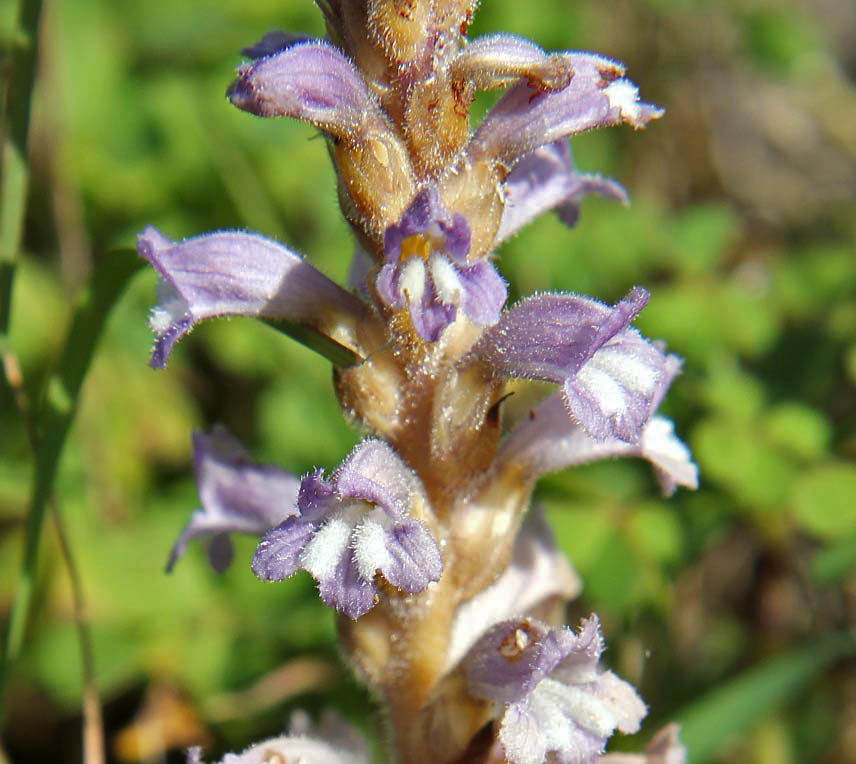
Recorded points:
(234, 273)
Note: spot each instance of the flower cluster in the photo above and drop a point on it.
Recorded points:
(423, 539)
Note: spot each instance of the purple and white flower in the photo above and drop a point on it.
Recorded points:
(548, 441)
(611, 377)
(551, 694)
(426, 270)
(428, 202)
(237, 495)
(361, 521)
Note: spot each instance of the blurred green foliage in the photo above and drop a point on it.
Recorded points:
(743, 228)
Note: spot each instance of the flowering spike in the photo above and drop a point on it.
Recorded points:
(423, 352)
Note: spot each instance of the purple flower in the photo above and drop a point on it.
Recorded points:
(526, 118)
(230, 273)
(363, 520)
(237, 495)
(611, 377)
(547, 441)
(551, 693)
(308, 80)
(547, 180)
(426, 270)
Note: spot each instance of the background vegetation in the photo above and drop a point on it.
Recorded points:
(729, 607)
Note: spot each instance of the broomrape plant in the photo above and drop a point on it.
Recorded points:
(449, 588)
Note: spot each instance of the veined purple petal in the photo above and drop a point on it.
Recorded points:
(526, 118)
(612, 393)
(551, 336)
(549, 441)
(278, 555)
(509, 660)
(430, 317)
(483, 293)
(545, 180)
(544, 724)
(610, 375)
(235, 274)
(316, 495)
(310, 81)
(346, 590)
(237, 495)
(414, 557)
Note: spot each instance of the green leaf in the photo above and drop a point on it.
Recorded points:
(614, 579)
(581, 532)
(702, 237)
(704, 319)
(833, 564)
(734, 456)
(709, 723)
(824, 500)
(656, 533)
(731, 391)
(799, 430)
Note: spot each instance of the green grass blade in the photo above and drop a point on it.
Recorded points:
(14, 177)
(733, 708)
(56, 415)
